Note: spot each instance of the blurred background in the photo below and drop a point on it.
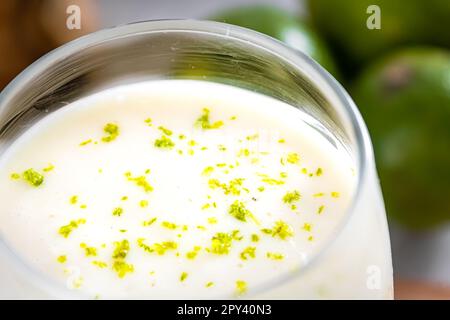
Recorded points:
(392, 56)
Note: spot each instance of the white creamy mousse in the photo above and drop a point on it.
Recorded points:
(172, 189)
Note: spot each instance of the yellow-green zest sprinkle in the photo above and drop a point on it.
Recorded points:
(85, 142)
(335, 194)
(164, 130)
(307, 227)
(143, 203)
(255, 237)
(117, 211)
(221, 242)
(274, 256)
(191, 255)
(149, 222)
(240, 212)
(140, 181)
(212, 220)
(183, 276)
(266, 179)
(209, 284)
(319, 172)
(15, 176)
(204, 122)
(320, 209)
(243, 152)
(112, 132)
(89, 251)
(207, 171)
(318, 195)
(66, 230)
(33, 177)
(248, 252)
(48, 168)
(100, 264)
(291, 197)
(241, 287)
(62, 259)
(293, 158)
(233, 187)
(164, 143)
(120, 253)
(73, 199)
(280, 229)
(159, 248)
(168, 225)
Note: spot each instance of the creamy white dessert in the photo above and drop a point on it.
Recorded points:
(173, 189)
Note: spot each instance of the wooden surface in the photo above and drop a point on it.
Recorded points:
(417, 290)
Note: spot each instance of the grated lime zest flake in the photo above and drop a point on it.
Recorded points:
(169, 225)
(221, 242)
(66, 230)
(164, 142)
(88, 251)
(239, 211)
(254, 237)
(85, 142)
(204, 122)
(291, 196)
(159, 248)
(307, 227)
(335, 194)
(248, 252)
(319, 172)
(149, 222)
(117, 211)
(143, 203)
(207, 171)
(112, 132)
(241, 287)
(274, 256)
(100, 264)
(120, 266)
(33, 177)
(140, 181)
(49, 168)
(266, 179)
(293, 158)
(73, 199)
(15, 176)
(183, 276)
(191, 255)
(280, 229)
(166, 131)
(233, 187)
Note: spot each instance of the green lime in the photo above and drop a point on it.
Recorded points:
(283, 26)
(405, 101)
(344, 24)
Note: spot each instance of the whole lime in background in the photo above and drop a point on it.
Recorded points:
(283, 26)
(412, 22)
(405, 101)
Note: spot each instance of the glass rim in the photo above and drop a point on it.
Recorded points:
(327, 85)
